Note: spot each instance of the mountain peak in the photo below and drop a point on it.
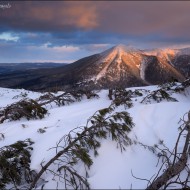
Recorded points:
(125, 48)
(119, 49)
(120, 46)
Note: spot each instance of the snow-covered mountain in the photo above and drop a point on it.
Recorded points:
(118, 66)
(178, 58)
(123, 65)
(111, 169)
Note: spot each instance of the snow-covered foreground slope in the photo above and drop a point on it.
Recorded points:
(111, 169)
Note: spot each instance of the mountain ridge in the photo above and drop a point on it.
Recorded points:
(118, 66)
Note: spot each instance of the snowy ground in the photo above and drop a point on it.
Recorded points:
(111, 169)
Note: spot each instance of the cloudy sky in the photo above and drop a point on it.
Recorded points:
(64, 31)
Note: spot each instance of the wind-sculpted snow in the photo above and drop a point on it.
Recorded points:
(111, 169)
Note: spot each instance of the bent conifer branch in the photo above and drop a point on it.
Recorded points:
(77, 145)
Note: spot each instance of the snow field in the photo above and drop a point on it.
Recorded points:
(111, 169)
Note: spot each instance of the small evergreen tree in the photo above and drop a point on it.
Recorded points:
(76, 146)
(158, 96)
(27, 108)
(15, 164)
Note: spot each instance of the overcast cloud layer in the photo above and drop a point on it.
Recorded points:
(65, 31)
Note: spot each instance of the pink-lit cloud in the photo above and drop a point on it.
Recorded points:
(90, 27)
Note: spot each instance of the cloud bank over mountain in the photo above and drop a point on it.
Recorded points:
(90, 24)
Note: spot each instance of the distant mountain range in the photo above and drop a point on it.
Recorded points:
(118, 66)
(12, 67)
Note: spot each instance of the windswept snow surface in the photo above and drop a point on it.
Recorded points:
(111, 169)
